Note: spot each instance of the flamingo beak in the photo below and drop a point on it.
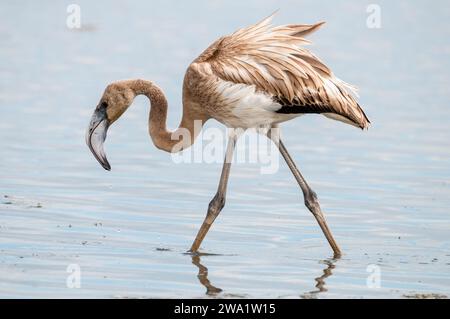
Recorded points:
(96, 135)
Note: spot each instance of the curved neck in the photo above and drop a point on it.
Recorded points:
(183, 137)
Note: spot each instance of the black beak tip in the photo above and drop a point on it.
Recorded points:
(105, 164)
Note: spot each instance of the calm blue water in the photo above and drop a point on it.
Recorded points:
(385, 192)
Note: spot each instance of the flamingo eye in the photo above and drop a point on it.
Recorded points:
(104, 105)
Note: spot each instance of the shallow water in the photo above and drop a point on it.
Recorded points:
(385, 192)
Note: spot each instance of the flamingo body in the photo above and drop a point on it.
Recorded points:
(261, 76)
(257, 77)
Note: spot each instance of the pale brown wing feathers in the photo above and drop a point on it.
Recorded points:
(272, 59)
(299, 30)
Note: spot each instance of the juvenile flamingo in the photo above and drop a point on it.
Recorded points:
(257, 77)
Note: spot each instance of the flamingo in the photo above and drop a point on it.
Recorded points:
(257, 77)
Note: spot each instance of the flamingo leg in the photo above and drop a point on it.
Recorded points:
(218, 202)
(311, 201)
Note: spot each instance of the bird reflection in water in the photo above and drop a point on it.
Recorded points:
(320, 281)
(203, 277)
